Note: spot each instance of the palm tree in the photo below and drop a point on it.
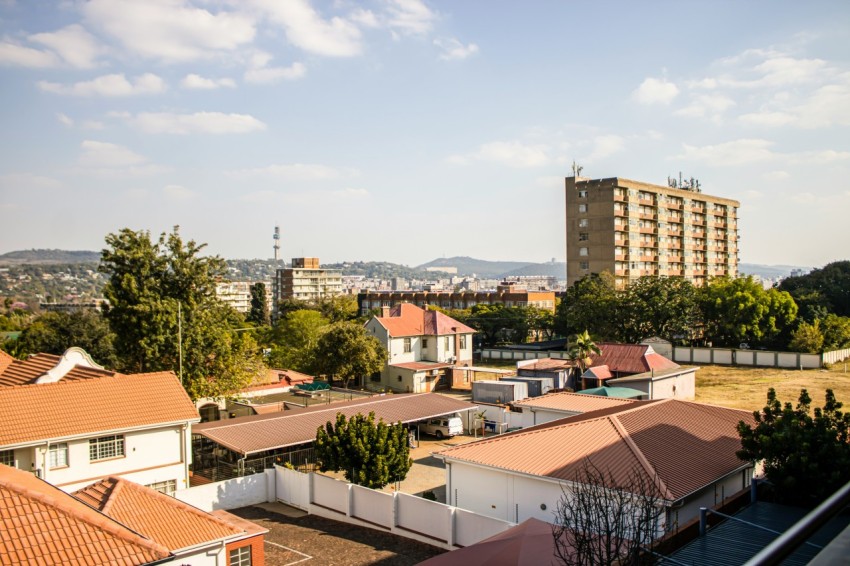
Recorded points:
(583, 348)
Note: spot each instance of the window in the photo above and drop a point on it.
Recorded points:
(582, 251)
(58, 455)
(585, 265)
(106, 447)
(7, 457)
(424, 342)
(167, 487)
(582, 236)
(407, 345)
(582, 194)
(582, 223)
(446, 343)
(240, 556)
(582, 208)
(463, 342)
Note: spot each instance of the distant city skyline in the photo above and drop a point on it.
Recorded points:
(407, 130)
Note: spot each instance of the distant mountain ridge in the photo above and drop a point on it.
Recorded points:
(50, 256)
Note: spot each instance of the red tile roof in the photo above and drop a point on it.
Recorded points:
(42, 525)
(164, 519)
(5, 361)
(680, 446)
(21, 372)
(406, 319)
(599, 372)
(247, 435)
(630, 358)
(33, 413)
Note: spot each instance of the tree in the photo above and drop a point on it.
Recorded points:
(339, 308)
(836, 332)
(825, 290)
(162, 296)
(591, 303)
(347, 351)
(294, 340)
(741, 311)
(55, 332)
(370, 454)
(582, 349)
(806, 457)
(600, 521)
(259, 313)
(807, 338)
(663, 307)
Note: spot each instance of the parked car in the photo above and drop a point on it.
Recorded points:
(442, 427)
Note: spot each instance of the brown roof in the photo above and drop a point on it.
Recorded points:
(421, 365)
(599, 372)
(252, 434)
(164, 519)
(679, 446)
(550, 364)
(41, 524)
(33, 413)
(406, 319)
(573, 402)
(278, 378)
(630, 358)
(21, 372)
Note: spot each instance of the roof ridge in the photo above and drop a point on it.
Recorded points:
(641, 457)
(112, 492)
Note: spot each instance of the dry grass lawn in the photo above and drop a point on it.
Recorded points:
(746, 388)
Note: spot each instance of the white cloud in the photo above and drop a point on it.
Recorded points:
(706, 105)
(827, 106)
(193, 81)
(109, 85)
(197, 123)
(513, 154)
(453, 49)
(819, 157)
(736, 152)
(296, 172)
(604, 146)
(364, 18)
(73, 44)
(27, 181)
(306, 29)
(170, 30)
(64, 120)
(178, 193)
(776, 176)
(655, 91)
(259, 71)
(410, 16)
(102, 155)
(22, 56)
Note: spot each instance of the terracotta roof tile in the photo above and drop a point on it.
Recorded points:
(86, 406)
(406, 319)
(252, 434)
(680, 446)
(41, 524)
(164, 519)
(21, 372)
(5, 361)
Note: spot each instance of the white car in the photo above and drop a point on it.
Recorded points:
(442, 427)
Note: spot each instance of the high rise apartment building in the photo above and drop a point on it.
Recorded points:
(306, 281)
(632, 229)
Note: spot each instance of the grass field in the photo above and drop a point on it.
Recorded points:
(746, 388)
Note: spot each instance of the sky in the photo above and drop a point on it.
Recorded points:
(409, 130)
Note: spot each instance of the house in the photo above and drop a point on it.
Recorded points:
(41, 524)
(191, 536)
(73, 424)
(685, 450)
(423, 347)
(556, 406)
(561, 370)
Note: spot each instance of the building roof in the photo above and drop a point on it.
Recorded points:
(5, 361)
(33, 413)
(252, 434)
(549, 364)
(419, 366)
(615, 392)
(630, 358)
(275, 378)
(161, 518)
(679, 446)
(599, 372)
(22, 372)
(42, 524)
(572, 402)
(406, 319)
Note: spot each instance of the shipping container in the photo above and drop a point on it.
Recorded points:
(537, 386)
(493, 391)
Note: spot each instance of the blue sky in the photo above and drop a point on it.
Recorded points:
(405, 130)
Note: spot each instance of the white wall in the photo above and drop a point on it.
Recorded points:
(233, 493)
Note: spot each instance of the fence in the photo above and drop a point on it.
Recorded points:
(215, 469)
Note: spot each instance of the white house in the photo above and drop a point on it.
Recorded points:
(73, 424)
(423, 347)
(687, 450)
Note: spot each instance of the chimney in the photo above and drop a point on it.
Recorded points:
(385, 312)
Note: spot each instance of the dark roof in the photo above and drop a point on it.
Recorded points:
(630, 358)
(252, 434)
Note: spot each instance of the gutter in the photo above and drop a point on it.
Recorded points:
(90, 434)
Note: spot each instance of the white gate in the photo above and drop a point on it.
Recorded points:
(293, 488)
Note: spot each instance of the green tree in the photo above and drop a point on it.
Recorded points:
(591, 303)
(294, 340)
(583, 347)
(340, 308)
(836, 332)
(741, 311)
(370, 454)
(825, 290)
(807, 338)
(259, 313)
(655, 306)
(55, 332)
(806, 456)
(162, 293)
(347, 351)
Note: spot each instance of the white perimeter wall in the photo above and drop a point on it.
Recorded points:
(233, 493)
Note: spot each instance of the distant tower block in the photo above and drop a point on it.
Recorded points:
(276, 242)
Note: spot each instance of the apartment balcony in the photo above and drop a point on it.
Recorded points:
(647, 216)
(674, 206)
(619, 198)
(648, 230)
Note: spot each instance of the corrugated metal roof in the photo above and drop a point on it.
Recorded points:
(732, 543)
(630, 358)
(248, 435)
(572, 402)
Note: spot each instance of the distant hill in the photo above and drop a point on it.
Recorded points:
(768, 271)
(49, 257)
(480, 267)
(550, 269)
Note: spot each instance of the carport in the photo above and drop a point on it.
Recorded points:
(245, 445)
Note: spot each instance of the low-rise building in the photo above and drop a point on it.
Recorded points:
(368, 301)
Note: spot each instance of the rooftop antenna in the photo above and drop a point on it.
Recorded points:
(276, 243)
(577, 169)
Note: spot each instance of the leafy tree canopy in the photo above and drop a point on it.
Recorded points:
(259, 313)
(823, 291)
(371, 454)
(806, 455)
(55, 332)
(347, 351)
(294, 340)
(590, 303)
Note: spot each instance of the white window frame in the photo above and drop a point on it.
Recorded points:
(57, 455)
(106, 447)
(7, 457)
(407, 346)
(240, 556)
(583, 252)
(463, 342)
(168, 487)
(582, 208)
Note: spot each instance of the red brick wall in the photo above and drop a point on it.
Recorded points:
(258, 557)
